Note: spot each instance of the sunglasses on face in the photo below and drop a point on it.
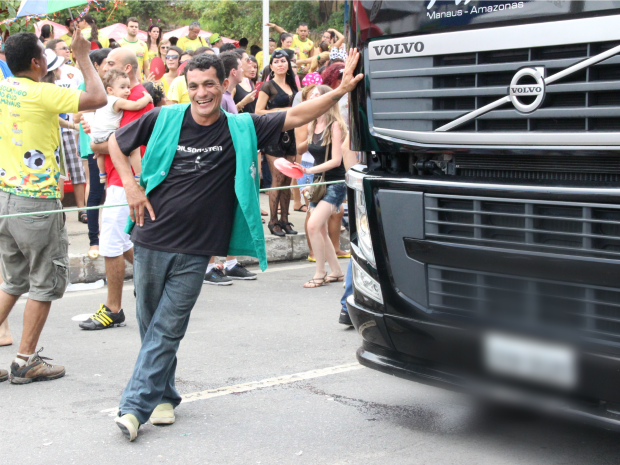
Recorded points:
(172, 57)
(165, 47)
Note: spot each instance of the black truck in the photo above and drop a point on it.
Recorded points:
(486, 211)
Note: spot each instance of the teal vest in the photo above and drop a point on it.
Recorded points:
(247, 236)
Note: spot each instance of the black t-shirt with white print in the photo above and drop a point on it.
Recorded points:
(194, 205)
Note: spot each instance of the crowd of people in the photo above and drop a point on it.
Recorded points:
(187, 151)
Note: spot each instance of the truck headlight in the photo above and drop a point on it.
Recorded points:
(355, 181)
(365, 284)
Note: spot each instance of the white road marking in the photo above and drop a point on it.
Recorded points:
(286, 379)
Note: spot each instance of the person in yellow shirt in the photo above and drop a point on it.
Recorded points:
(90, 31)
(177, 93)
(68, 37)
(192, 40)
(303, 46)
(34, 250)
(136, 46)
(259, 55)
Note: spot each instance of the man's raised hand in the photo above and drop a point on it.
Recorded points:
(79, 45)
(349, 81)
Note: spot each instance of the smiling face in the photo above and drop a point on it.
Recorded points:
(279, 66)
(205, 93)
(62, 50)
(172, 60)
(287, 43)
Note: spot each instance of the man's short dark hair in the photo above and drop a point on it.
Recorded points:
(230, 60)
(51, 44)
(303, 24)
(243, 42)
(68, 21)
(204, 62)
(97, 56)
(132, 19)
(271, 39)
(20, 49)
(240, 52)
(227, 48)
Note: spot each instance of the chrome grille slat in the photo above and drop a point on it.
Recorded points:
(554, 227)
(536, 301)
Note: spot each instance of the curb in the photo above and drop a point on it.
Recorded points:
(82, 269)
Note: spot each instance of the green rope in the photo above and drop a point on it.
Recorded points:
(15, 215)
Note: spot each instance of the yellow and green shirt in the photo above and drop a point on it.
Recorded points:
(178, 90)
(139, 48)
(101, 37)
(186, 44)
(68, 38)
(29, 135)
(305, 47)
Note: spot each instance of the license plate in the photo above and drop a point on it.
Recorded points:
(540, 362)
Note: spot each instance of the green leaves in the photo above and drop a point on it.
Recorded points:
(8, 10)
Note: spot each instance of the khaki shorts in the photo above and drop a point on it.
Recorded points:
(33, 249)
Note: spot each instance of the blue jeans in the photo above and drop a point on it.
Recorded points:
(167, 286)
(348, 288)
(95, 197)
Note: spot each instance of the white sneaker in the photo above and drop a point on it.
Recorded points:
(163, 415)
(129, 425)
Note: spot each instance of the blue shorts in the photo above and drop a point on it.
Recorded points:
(306, 178)
(334, 194)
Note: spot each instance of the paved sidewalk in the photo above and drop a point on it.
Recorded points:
(279, 249)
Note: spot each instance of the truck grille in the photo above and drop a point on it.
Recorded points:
(589, 309)
(555, 227)
(414, 96)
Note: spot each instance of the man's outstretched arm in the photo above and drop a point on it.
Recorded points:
(312, 109)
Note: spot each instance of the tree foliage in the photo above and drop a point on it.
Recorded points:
(239, 18)
(8, 10)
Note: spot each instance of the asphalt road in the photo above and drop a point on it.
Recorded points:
(254, 331)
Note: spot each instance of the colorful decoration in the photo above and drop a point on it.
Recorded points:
(34, 10)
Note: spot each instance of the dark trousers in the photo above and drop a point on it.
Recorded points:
(95, 198)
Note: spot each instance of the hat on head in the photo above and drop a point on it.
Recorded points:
(213, 38)
(338, 53)
(53, 61)
(312, 78)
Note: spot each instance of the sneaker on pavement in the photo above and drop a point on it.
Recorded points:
(129, 425)
(163, 415)
(240, 272)
(345, 319)
(217, 277)
(103, 319)
(36, 369)
(4, 375)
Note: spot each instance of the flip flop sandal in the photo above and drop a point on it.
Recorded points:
(334, 279)
(301, 209)
(316, 282)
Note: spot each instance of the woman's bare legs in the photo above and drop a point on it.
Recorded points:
(333, 226)
(321, 244)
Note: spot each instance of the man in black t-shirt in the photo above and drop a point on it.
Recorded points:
(190, 218)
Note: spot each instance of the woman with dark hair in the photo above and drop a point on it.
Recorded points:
(245, 95)
(89, 28)
(285, 42)
(47, 33)
(277, 95)
(253, 73)
(152, 41)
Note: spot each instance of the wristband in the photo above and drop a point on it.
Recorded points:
(102, 174)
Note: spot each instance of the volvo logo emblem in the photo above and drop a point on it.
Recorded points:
(536, 89)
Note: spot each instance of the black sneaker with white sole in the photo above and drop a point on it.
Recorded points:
(216, 277)
(240, 272)
(104, 319)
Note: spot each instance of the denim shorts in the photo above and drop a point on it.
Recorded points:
(306, 178)
(334, 194)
